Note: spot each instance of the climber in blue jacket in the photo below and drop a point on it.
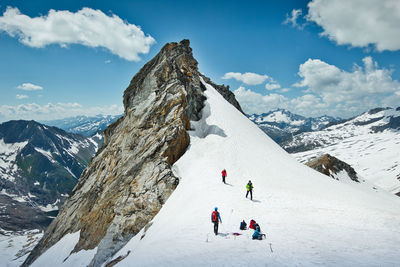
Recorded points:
(215, 219)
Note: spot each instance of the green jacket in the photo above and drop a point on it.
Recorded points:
(249, 187)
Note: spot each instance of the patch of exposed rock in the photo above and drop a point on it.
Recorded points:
(130, 178)
(331, 166)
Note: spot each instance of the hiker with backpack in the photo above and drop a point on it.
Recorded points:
(215, 219)
(249, 188)
(223, 175)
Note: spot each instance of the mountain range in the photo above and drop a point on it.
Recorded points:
(39, 166)
(281, 125)
(83, 125)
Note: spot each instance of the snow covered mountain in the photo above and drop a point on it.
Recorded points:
(281, 124)
(370, 143)
(39, 166)
(147, 196)
(84, 125)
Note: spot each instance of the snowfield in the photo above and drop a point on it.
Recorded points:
(375, 156)
(309, 219)
(15, 247)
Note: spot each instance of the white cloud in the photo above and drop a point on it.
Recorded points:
(253, 102)
(246, 78)
(21, 96)
(292, 18)
(284, 90)
(327, 89)
(344, 93)
(335, 85)
(107, 61)
(33, 111)
(272, 86)
(359, 23)
(87, 27)
(29, 87)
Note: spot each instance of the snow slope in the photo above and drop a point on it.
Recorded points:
(309, 219)
(15, 246)
(375, 156)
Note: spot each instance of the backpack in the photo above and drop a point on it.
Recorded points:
(214, 216)
(243, 225)
(257, 227)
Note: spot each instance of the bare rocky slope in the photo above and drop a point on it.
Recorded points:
(331, 166)
(130, 178)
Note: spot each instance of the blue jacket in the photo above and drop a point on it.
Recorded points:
(256, 234)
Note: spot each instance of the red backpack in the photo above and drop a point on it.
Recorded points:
(214, 216)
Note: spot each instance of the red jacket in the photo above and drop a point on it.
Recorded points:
(224, 173)
(252, 222)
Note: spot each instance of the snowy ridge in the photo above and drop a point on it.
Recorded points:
(309, 219)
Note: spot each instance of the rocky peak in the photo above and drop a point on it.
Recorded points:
(174, 64)
(331, 166)
(131, 176)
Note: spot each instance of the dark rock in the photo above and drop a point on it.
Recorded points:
(331, 166)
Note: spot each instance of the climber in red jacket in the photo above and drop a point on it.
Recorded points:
(223, 175)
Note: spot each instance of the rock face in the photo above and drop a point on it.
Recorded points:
(332, 166)
(131, 176)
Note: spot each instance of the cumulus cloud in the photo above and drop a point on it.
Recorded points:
(358, 23)
(253, 102)
(327, 89)
(29, 87)
(21, 96)
(272, 85)
(336, 85)
(33, 111)
(292, 18)
(87, 27)
(246, 78)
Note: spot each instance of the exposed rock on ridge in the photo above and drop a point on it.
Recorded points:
(130, 178)
(331, 166)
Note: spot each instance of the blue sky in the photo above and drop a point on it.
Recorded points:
(310, 57)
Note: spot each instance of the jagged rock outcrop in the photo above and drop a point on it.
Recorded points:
(331, 166)
(131, 176)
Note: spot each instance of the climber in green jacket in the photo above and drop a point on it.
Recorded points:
(249, 187)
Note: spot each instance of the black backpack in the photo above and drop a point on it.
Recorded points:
(243, 225)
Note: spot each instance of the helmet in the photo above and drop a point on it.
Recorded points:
(216, 209)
